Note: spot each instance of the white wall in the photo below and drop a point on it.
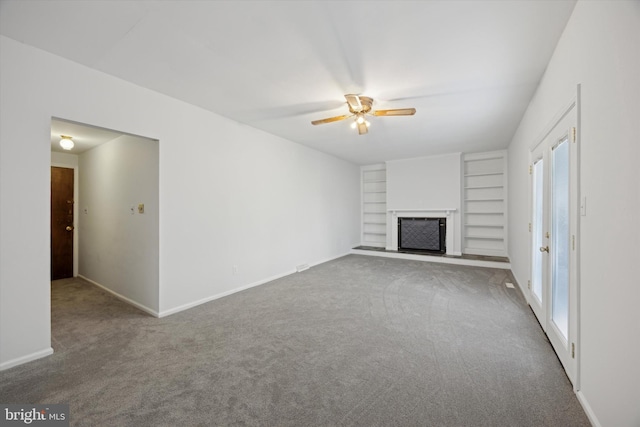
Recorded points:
(68, 160)
(427, 183)
(64, 159)
(118, 248)
(600, 49)
(229, 194)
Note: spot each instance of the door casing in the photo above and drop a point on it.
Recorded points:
(566, 124)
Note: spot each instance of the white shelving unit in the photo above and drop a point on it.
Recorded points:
(374, 205)
(485, 203)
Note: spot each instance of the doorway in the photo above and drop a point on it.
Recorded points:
(553, 290)
(115, 221)
(62, 222)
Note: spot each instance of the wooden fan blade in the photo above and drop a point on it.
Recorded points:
(362, 128)
(354, 102)
(397, 112)
(329, 120)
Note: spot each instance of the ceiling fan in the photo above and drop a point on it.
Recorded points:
(359, 107)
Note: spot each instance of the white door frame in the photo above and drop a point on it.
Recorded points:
(538, 306)
(76, 192)
(569, 351)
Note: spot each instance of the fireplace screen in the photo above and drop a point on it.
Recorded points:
(422, 234)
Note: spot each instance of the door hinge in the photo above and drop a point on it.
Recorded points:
(573, 350)
(529, 284)
(573, 134)
(546, 234)
(529, 227)
(530, 169)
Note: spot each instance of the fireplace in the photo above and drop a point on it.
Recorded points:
(422, 234)
(451, 229)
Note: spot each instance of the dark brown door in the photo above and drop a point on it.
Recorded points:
(61, 223)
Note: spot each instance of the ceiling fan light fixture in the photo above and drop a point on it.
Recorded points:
(359, 107)
(66, 142)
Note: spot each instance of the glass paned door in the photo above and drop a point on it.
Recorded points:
(553, 290)
(560, 255)
(537, 230)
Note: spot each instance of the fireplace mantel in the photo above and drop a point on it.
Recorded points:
(422, 213)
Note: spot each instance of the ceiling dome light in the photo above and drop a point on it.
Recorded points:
(66, 142)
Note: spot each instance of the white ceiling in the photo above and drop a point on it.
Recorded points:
(84, 137)
(470, 68)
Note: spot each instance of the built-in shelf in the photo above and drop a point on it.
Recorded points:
(374, 201)
(484, 189)
(484, 174)
(485, 213)
(484, 159)
(484, 237)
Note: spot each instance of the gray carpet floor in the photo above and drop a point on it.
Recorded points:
(359, 341)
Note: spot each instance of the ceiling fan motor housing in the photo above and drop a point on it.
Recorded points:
(365, 105)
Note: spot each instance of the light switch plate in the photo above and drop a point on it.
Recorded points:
(141, 208)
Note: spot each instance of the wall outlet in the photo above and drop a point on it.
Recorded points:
(234, 269)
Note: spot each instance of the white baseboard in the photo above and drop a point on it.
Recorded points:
(24, 359)
(519, 283)
(189, 305)
(122, 297)
(192, 304)
(587, 409)
(330, 259)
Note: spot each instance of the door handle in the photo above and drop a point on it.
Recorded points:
(69, 228)
(544, 249)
